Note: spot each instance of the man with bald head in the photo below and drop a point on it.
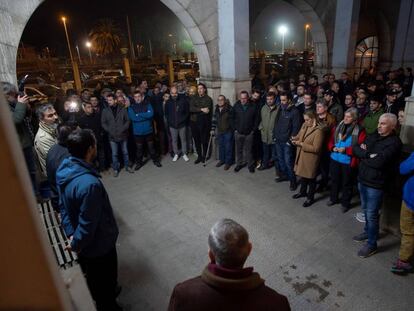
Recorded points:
(225, 284)
(177, 112)
(378, 156)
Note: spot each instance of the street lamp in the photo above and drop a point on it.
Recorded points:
(307, 26)
(89, 45)
(67, 38)
(282, 31)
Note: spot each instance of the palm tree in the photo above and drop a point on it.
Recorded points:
(105, 38)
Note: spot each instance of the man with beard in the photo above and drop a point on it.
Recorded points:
(46, 136)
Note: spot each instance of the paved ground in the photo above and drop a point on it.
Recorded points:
(307, 254)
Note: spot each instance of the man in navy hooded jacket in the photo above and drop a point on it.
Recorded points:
(88, 219)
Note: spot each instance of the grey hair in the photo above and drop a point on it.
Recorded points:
(227, 241)
(8, 88)
(42, 110)
(353, 112)
(391, 117)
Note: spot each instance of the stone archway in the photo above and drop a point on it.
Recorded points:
(14, 16)
(317, 28)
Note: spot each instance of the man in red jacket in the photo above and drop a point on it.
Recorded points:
(225, 284)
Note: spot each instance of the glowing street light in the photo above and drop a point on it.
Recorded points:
(282, 31)
(67, 38)
(307, 27)
(89, 46)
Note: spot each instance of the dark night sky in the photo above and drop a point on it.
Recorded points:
(148, 19)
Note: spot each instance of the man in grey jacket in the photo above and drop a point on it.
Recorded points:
(116, 123)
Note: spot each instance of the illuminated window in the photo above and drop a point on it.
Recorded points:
(366, 53)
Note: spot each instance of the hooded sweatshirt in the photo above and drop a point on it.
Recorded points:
(407, 168)
(85, 209)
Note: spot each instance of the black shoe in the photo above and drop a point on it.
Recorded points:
(308, 203)
(238, 168)
(138, 166)
(199, 160)
(293, 185)
(331, 203)
(226, 167)
(299, 195)
(344, 209)
(157, 164)
(262, 168)
(220, 163)
(251, 169)
(281, 179)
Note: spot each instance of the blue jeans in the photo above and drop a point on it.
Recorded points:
(114, 148)
(269, 153)
(285, 160)
(225, 141)
(371, 200)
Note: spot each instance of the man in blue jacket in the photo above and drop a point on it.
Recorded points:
(141, 115)
(403, 265)
(88, 219)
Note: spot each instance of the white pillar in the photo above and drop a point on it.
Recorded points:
(345, 35)
(233, 20)
(403, 53)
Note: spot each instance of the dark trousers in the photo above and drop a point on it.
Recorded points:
(342, 179)
(285, 158)
(31, 167)
(225, 141)
(244, 152)
(200, 134)
(324, 168)
(308, 187)
(140, 140)
(101, 155)
(101, 275)
(269, 154)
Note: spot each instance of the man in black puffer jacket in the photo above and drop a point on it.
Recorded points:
(245, 121)
(379, 160)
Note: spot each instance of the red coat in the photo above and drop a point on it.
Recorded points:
(226, 291)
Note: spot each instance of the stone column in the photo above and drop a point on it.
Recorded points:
(345, 35)
(233, 21)
(403, 53)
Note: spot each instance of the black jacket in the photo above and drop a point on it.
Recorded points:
(93, 123)
(156, 102)
(374, 171)
(177, 112)
(116, 126)
(287, 124)
(245, 121)
(223, 120)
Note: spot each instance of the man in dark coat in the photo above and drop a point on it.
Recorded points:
(245, 122)
(288, 123)
(116, 123)
(91, 119)
(225, 284)
(201, 109)
(88, 219)
(378, 156)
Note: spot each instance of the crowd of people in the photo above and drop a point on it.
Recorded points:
(336, 136)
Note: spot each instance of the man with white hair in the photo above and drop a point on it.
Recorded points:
(379, 160)
(225, 284)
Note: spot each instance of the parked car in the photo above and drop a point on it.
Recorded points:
(108, 74)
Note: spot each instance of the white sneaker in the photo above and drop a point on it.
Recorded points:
(360, 217)
(175, 158)
(185, 157)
